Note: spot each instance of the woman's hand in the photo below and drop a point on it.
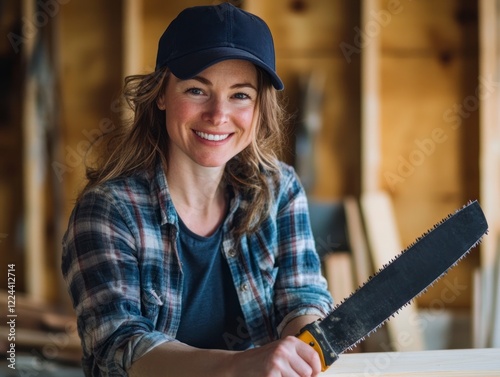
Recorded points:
(288, 357)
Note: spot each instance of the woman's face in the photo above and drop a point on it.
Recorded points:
(211, 117)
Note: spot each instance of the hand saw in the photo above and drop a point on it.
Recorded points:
(396, 284)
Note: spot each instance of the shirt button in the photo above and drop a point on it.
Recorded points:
(232, 253)
(244, 287)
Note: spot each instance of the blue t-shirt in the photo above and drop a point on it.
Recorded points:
(211, 313)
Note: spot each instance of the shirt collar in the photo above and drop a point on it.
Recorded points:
(167, 209)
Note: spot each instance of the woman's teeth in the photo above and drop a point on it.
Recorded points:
(212, 137)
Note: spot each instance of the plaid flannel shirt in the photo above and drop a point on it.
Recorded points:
(125, 279)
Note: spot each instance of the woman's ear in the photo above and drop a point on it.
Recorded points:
(160, 102)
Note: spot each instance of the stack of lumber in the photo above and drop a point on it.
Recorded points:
(37, 329)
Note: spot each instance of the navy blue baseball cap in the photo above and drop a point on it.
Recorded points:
(204, 35)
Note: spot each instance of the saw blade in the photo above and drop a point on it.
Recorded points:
(398, 283)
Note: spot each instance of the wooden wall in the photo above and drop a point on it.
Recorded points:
(429, 119)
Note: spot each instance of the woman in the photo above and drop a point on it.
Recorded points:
(189, 253)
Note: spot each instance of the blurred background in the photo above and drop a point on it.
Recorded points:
(395, 111)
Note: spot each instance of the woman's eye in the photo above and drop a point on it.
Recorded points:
(195, 91)
(241, 96)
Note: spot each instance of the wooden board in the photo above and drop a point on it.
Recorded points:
(479, 327)
(487, 295)
(442, 363)
(339, 275)
(35, 177)
(489, 58)
(362, 263)
(362, 267)
(495, 321)
(384, 243)
(371, 154)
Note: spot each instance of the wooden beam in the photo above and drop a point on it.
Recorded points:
(132, 36)
(370, 102)
(384, 243)
(495, 320)
(487, 321)
(33, 171)
(357, 241)
(339, 275)
(489, 58)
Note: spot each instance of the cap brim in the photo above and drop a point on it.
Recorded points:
(190, 65)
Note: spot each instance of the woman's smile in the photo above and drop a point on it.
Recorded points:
(211, 136)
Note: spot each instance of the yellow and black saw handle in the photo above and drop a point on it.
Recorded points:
(315, 337)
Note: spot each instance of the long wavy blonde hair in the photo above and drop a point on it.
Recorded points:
(142, 143)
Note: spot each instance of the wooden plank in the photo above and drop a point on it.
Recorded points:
(487, 307)
(132, 36)
(495, 313)
(338, 273)
(489, 28)
(385, 244)
(441, 363)
(363, 267)
(370, 101)
(357, 241)
(33, 171)
(478, 328)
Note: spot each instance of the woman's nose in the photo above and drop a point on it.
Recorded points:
(216, 112)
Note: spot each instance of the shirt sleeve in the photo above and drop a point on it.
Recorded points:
(300, 288)
(100, 267)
